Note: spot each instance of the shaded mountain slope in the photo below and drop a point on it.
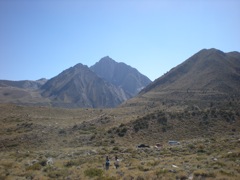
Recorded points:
(121, 75)
(208, 70)
(78, 86)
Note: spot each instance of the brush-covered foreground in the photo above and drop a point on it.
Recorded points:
(196, 159)
(51, 143)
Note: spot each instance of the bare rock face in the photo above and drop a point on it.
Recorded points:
(78, 86)
(121, 75)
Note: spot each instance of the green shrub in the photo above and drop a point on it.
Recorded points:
(62, 132)
(36, 166)
(109, 131)
(191, 146)
(2, 177)
(204, 174)
(226, 173)
(56, 174)
(233, 156)
(164, 129)
(162, 120)
(76, 162)
(93, 172)
(140, 124)
(115, 149)
(140, 178)
(142, 168)
(121, 125)
(43, 162)
(160, 172)
(70, 163)
(48, 169)
(122, 132)
(153, 163)
(182, 176)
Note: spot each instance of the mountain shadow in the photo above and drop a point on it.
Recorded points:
(78, 86)
(121, 75)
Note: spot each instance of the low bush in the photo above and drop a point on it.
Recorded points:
(204, 174)
(43, 162)
(115, 148)
(2, 177)
(93, 172)
(143, 168)
(36, 166)
(140, 124)
(56, 174)
(160, 172)
(76, 162)
(122, 132)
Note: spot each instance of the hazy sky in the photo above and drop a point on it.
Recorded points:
(41, 38)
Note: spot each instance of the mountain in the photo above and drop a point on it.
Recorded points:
(198, 98)
(25, 84)
(78, 86)
(209, 71)
(22, 92)
(209, 75)
(121, 75)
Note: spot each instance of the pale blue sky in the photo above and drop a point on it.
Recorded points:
(41, 38)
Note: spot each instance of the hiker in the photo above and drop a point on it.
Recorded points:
(107, 164)
(116, 163)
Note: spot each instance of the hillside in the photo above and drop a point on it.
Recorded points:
(207, 70)
(22, 92)
(199, 97)
(209, 76)
(121, 75)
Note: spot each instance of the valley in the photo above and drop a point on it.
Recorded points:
(78, 140)
(183, 125)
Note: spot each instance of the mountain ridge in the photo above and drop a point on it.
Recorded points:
(77, 86)
(210, 73)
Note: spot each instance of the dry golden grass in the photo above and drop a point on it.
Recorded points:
(78, 140)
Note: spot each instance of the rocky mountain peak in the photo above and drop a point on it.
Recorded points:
(121, 75)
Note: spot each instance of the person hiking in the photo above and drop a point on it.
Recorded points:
(116, 163)
(107, 164)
